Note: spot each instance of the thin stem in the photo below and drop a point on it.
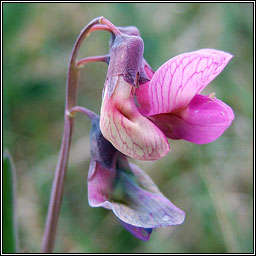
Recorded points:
(82, 62)
(83, 110)
(60, 172)
(57, 189)
(112, 27)
(73, 73)
(100, 27)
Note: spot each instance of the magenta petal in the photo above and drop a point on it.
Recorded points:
(203, 121)
(141, 233)
(179, 79)
(100, 185)
(142, 99)
(147, 69)
(125, 193)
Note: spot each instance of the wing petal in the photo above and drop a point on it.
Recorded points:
(203, 121)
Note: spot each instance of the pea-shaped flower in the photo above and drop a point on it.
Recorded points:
(137, 116)
(120, 186)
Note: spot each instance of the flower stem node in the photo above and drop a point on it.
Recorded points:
(70, 114)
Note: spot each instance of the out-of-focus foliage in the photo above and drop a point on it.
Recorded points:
(212, 183)
(9, 214)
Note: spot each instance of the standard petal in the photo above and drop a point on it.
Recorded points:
(203, 121)
(128, 130)
(179, 79)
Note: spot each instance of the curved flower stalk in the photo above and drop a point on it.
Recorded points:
(60, 172)
(120, 186)
(170, 98)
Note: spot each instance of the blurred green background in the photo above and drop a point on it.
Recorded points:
(212, 183)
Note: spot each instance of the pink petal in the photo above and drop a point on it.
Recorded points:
(131, 201)
(147, 69)
(142, 99)
(128, 130)
(203, 121)
(100, 185)
(179, 79)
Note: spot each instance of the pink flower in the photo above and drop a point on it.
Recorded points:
(121, 123)
(137, 117)
(173, 102)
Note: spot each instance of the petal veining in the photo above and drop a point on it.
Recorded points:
(128, 130)
(179, 79)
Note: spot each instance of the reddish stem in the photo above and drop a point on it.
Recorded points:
(83, 110)
(100, 27)
(60, 172)
(111, 26)
(82, 62)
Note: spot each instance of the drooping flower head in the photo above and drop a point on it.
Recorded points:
(142, 108)
(120, 121)
(120, 186)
